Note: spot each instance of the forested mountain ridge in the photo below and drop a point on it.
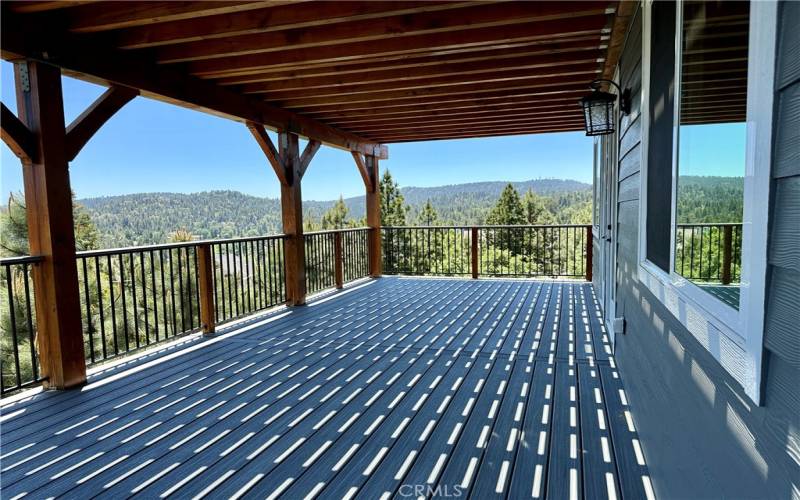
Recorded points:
(146, 218)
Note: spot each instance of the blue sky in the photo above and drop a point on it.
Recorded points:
(152, 146)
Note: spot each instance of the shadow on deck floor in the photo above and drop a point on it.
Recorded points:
(400, 387)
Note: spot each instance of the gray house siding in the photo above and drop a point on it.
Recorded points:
(701, 434)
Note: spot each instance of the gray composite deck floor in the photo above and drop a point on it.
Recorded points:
(398, 388)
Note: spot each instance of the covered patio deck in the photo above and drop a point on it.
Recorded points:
(394, 387)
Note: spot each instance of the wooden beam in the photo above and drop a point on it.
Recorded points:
(89, 122)
(272, 154)
(271, 19)
(471, 17)
(619, 32)
(48, 200)
(308, 154)
(362, 169)
(373, 206)
(292, 217)
(116, 15)
(43, 6)
(458, 41)
(19, 139)
(101, 65)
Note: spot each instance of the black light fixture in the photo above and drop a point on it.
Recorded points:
(598, 108)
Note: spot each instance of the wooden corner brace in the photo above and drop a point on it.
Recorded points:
(278, 162)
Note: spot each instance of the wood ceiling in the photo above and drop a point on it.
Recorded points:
(347, 73)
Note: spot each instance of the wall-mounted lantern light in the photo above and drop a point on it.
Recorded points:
(598, 108)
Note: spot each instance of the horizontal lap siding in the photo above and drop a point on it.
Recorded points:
(701, 435)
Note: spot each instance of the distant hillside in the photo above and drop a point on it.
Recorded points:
(145, 218)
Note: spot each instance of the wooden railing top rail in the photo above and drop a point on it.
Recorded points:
(167, 246)
(24, 259)
(709, 224)
(333, 231)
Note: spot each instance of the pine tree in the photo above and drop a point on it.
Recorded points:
(536, 211)
(428, 216)
(336, 217)
(393, 208)
(509, 210)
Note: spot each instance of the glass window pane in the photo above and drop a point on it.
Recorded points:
(711, 146)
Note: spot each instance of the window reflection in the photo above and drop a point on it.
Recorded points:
(711, 146)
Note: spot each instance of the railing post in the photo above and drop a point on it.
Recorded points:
(589, 252)
(727, 244)
(373, 202)
(338, 259)
(205, 283)
(474, 252)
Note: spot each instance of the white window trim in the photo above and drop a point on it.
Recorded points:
(734, 338)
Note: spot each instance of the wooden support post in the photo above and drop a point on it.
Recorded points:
(374, 216)
(727, 250)
(474, 241)
(589, 252)
(51, 234)
(289, 166)
(205, 284)
(338, 259)
(292, 216)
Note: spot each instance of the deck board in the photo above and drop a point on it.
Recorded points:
(400, 387)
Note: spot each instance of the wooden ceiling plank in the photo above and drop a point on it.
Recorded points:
(477, 135)
(429, 117)
(454, 82)
(370, 128)
(104, 16)
(547, 62)
(436, 43)
(477, 16)
(574, 91)
(445, 108)
(480, 126)
(555, 84)
(272, 19)
(582, 45)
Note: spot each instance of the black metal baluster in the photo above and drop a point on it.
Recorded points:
(13, 319)
(31, 340)
(88, 308)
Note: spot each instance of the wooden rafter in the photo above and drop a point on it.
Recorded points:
(17, 136)
(99, 112)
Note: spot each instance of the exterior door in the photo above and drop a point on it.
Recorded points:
(608, 231)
